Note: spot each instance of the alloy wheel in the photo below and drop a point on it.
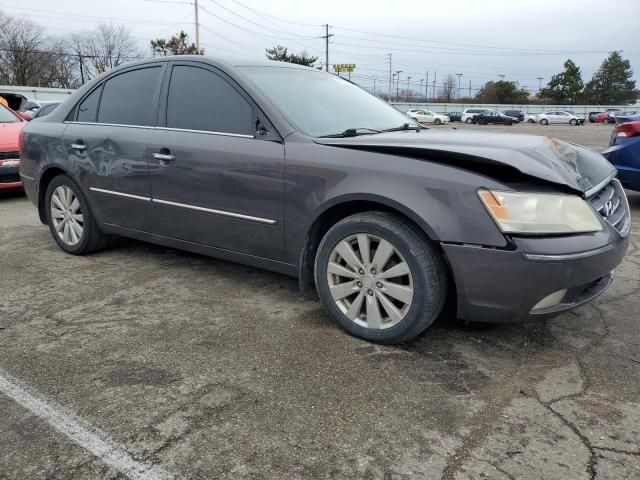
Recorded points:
(370, 281)
(66, 213)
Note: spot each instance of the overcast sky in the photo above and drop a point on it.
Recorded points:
(521, 40)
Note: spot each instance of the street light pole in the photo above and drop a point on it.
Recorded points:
(539, 84)
(502, 77)
(398, 84)
(459, 76)
(408, 88)
(421, 80)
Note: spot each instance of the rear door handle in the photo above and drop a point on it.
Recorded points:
(165, 157)
(78, 146)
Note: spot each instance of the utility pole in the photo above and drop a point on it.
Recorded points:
(408, 89)
(426, 88)
(459, 76)
(374, 86)
(502, 77)
(195, 3)
(81, 68)
(390, 78)
(435, 77)
(420, 91)
(539, 84)
(469, 88)
(393, 81)
(398, 83)
(326, 37)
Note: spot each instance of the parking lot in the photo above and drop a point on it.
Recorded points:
(163, 364)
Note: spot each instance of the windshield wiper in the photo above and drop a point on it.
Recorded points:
(352, 132)
(405, 126)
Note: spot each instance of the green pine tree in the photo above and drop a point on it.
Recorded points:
(612, 84)
(565, 87)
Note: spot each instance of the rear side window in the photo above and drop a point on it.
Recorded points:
(201, 100)
(128, 98)
(88, 108)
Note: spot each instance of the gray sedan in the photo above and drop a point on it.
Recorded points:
(299, 171)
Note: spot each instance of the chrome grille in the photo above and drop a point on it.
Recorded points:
(611, 203)
(9, 155)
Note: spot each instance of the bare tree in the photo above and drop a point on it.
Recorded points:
(104, 48)
(23, 52)
(448, 88)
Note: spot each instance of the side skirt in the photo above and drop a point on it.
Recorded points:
(243, 258)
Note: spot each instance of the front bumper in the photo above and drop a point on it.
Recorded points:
(500, 286)
(9, 177)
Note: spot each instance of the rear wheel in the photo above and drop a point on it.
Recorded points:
(468, 120)
(544, 121)
(70, 220)
(379, 278)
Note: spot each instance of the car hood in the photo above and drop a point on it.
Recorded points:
(545, 158)
(9, 133)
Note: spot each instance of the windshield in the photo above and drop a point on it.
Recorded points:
(7, 117)
(320, 104)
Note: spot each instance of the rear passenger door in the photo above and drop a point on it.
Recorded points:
(216, 165)
(106, 143)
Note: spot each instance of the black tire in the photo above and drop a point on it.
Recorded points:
(437, 121)
(469, 120)
(92, 239)
(573, 122)
(425, 263)
(531, 120)
(544, 121)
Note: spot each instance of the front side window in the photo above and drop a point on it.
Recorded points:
(202, 100)
(128, 98)
(320, 104)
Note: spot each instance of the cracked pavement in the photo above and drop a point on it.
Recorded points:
(211, 369)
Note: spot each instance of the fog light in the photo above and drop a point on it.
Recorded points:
(551, 300)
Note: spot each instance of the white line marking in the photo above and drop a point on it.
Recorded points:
(79, 431)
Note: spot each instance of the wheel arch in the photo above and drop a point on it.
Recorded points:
(343, 207)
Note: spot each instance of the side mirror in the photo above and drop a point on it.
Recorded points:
(25, 116)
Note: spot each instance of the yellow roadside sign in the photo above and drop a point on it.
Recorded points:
(344, 67)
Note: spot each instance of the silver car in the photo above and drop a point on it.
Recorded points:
(559, 116)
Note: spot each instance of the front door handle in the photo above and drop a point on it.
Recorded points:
(164, 157)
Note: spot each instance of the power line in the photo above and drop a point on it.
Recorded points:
(276, 18)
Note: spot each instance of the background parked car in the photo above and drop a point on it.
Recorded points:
(560, 116)
(530, 118)
(12, 125)
(427, 116)
(491, 116)
(469, 113)
(624, 153)
(593, 116)
(453, 116)
(519, 114)
(46, 109)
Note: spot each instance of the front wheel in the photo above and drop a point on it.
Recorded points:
(379, 278)
(468, 120)
(438, 121)
(573, 122)
(70, 220)
(544, 121)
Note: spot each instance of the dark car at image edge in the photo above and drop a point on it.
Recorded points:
(298, 171)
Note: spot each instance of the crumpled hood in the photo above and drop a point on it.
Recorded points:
(549, 159)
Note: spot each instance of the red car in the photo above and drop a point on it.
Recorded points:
(10, 127)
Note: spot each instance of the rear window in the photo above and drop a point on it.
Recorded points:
(128, 98)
